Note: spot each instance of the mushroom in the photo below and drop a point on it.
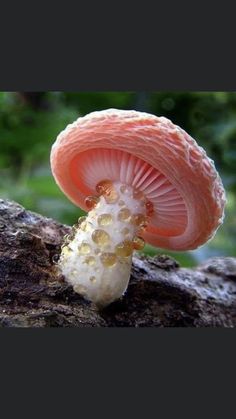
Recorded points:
(141, 178)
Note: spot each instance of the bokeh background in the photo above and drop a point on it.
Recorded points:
(30, 122)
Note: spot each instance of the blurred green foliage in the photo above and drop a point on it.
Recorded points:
(30, 122)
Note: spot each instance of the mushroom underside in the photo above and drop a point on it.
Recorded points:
(170, 215)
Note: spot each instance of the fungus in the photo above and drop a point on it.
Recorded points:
(142, 179)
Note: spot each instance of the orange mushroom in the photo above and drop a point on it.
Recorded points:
(142, 178)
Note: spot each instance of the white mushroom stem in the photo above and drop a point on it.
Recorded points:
(96, 261)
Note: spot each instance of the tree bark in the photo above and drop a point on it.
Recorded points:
(160, 293)
(37, 100)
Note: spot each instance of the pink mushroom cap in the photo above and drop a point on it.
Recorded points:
(151, 154)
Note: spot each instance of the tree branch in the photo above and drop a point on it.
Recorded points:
(160, 293)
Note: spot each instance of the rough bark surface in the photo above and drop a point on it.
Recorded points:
(160, 293)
